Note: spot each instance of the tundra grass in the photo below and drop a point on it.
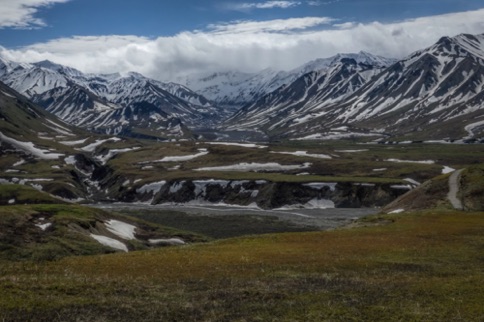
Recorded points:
(424, 266)
(342, 165)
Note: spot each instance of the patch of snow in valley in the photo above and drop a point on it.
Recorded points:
(397, 211)
(121, 229)
(411, 161)
(306, 154)
(412, 181)
(44, 226)
(244, 145)
(321, 185)
(470, 128)
(29, 148)
(176, 186)
(71, 160)
(7, 94)
(334, 136)
(110, 242)
(202, 152)
(105, 158)
(271, 166)
(11, 201)
(447, 169)
(37, 186)
(58, 125)
(91, 147)
(153, 187)
(380, 169)
(46, 138)
(319, 204)
(71, 143)
(19, 163)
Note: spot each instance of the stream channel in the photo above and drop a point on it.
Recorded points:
(320, 219)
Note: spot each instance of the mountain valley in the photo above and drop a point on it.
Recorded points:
(348, 188)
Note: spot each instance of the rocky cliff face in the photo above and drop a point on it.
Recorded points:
(267, 195)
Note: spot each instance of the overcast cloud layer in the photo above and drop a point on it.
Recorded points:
(246, 45)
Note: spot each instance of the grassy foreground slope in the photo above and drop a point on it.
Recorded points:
(36, 227)
(425, 266)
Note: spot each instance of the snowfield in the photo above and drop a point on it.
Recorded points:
(110, 242)
(121, 229)
(244, 145)
(306, 154)
(447, 169)
(411, 161)
(72, 143)
(271, 166)
(112, 153)
(201, 152)
(153, 187)
(29, 148)
(91, 147)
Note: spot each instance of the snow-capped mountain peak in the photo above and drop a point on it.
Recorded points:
(238, 89)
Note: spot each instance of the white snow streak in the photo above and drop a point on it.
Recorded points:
(110, 242)
(29, 147)
(244, 145)
(271, 166)
(121, 229)
(411, 161)
(306, 154)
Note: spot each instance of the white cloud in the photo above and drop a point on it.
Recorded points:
(21, 13)
(247, 46)
(278, 25)
(322, 3)
(264, 5)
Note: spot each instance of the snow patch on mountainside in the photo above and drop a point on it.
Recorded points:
(30, 148)
(245, 167)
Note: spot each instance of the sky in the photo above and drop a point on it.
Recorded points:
(169, 39)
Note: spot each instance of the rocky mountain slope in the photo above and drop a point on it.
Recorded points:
(236, 89)
(304, 98)
(434, 93)
(112, 104)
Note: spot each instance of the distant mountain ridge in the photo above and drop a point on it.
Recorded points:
(113, 103)
(434, 93)
(237, 89)
(437, 92)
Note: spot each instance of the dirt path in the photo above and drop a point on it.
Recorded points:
(454, 189)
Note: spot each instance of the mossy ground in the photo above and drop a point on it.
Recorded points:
(424, 266)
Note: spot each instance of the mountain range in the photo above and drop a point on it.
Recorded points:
(434, 93)
(111, 104)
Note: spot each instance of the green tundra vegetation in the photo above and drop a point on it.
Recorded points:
(424, 264)
(421, 266)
